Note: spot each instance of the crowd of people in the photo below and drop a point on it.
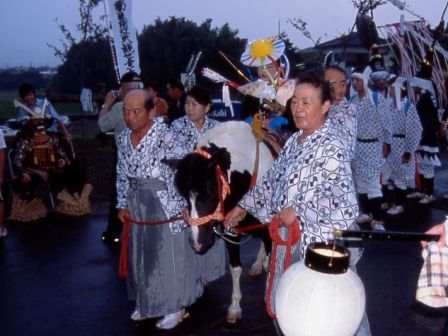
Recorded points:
(343, 161)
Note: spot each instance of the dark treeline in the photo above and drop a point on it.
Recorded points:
(11, 78)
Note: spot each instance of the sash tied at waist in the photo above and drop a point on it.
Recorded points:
(146, 183)
(367, 140)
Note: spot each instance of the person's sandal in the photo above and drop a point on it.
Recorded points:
(136, 316)
(171, 320)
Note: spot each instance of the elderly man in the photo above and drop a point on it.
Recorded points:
(111, 119)
(164, 276)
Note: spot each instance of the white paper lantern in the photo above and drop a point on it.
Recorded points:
(310, 302)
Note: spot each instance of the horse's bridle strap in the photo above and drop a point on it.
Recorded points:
(223, 191)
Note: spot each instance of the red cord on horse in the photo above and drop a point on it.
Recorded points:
(293, 238)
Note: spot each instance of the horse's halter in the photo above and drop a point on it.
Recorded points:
(223, 192)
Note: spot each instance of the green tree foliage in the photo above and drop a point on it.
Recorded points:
(97, 67)
(167, 45)
(89, 29)
(88, 61)
(165, 48)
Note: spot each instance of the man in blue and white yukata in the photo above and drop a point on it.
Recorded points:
(406, 128)
(164, 271)
(342, 114)
(372, 146)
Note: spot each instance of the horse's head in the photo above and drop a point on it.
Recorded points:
(201, 178)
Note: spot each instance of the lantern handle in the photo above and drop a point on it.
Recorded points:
(383, 235)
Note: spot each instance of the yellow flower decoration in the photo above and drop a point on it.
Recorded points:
(261, 48)
(263, 51)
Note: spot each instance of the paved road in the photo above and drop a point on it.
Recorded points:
(58, 278)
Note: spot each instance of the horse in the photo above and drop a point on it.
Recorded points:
(213, 179)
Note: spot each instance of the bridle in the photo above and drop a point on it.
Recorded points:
(223, 192)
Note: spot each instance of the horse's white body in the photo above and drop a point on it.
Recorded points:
(238, 139)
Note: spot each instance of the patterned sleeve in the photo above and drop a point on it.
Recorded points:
(175, 202)
(122, 179)
(327, 200)
(258, 200)
(384, 113)
(413, 129)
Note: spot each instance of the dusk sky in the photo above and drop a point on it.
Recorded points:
(28, 25)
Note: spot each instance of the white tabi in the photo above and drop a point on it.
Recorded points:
(164, 272)
(373, 130)
(406, 135)
(187, 135)
(342, 118)
(315, 179)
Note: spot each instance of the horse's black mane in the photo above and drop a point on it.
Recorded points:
(194, 168)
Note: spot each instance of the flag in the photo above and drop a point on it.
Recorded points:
(125, 35)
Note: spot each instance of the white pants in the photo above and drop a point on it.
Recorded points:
(427, 170)
(371, 188)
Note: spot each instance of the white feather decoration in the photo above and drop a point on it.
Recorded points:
(23, 106)
(213, 76)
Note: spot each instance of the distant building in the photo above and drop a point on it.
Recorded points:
(348, 52)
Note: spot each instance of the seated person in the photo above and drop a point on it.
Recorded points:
(43, 163)
(28, 94)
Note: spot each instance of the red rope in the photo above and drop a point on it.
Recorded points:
(123, 261)
(250, 228)
(293, 238)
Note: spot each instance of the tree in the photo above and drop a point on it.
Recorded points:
(166, 46)
(365, 6)
(89, 59)
(97, 67)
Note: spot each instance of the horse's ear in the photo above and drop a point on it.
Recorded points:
(220, 157)
(172, 163)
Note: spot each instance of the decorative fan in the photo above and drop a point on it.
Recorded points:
(263, 51)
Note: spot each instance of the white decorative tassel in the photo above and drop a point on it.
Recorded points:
(226, 98)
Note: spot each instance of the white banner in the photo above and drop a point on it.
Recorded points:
(125, 35)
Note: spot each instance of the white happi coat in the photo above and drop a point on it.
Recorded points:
(315, 179)
(188, 131)
(145, 162)
(373, 123)
(343, 123)
(406, 135)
